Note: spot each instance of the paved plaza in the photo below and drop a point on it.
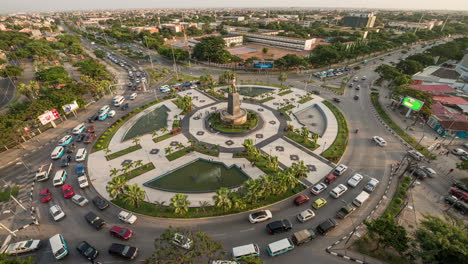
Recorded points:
(268, 136)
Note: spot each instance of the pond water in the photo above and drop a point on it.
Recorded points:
(148, 123)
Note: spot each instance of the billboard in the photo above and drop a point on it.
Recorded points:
(70, 107)
(263, 64)
(48, 116)
(412, 103)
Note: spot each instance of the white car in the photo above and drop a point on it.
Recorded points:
(338, 191)
(80, 200)
(23, 247)
(182, 241)
(305, 215)
(111, 113)
(83, 181)
(380, 141)
(317, 189)
(56, 212)
(127, 217)
(133, 96)
(429, 171)
(459, 152)
(355, 180)
(260, 216)
(363, 77)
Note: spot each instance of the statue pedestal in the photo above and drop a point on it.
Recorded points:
(238, 119)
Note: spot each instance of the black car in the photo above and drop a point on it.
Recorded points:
(94, 220)
(336, 100)
(87, 250)
(316, 92)
(279, 226)
(326, 226)
(80, 137)
(124, 107)
(356, 97)
(64, 162)
(418, 173)
(100, 203)
(123, 251)
(460, 186)
(93, 118)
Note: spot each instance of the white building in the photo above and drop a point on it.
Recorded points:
(281, 42)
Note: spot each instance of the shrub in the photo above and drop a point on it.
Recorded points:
(101, 140)
(398, 201)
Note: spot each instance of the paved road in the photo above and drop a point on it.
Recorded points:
(362, 156)
(7, 91)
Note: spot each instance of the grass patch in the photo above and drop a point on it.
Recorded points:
(155, 76)
(198, 148)
(284, 111)
(163, 137)
(138, 171)
(265, 84)
(176, 124)
(123, 152)
(285, 92)
(305, 100)
(398, 197)
(335, 89)
(386, 118)
(366, 246)
(261, 163)
(264, 100)
(309, 144)
(215, 94)
(181, 78)
(5, 194)
(338, 147)
(217, 124)
(151, 209)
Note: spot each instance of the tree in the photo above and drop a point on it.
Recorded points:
(116, 186)
(203, 205)
(265, 50)
(387, 233)
(99, 53)
(299, 169)
(11, 71)
(107, 151)
(227, 77)
(203, 250)
(206, 80)
(114, 172)
(168, 150)
(305, 133)
(137, 163)
(136, 141)
(54, 75)
(441, 241)
(409, 67)
(222, 199)
(134, 194)
(282, 78)
(180, 203)
(211, 49)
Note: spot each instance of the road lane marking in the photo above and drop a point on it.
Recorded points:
(245, 230)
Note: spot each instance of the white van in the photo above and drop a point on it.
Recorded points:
(59, 246)
(104, 109)
(81, 155)
(57, 153)
(361, 198)
(338, 190)
(118, 100)
(79, 129)
(280, 247)
(60, 177)
(250, 250)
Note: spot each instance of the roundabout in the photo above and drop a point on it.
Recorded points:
(197, 160)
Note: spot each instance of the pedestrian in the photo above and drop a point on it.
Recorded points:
(436, 138)
(243, 165)
(446, 153)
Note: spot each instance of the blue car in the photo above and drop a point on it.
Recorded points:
(80, 169)
(65, 140)
(103, 116)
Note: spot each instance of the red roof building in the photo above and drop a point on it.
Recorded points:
(449, 100)
(434, 89)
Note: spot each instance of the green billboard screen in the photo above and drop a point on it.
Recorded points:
(412, 103)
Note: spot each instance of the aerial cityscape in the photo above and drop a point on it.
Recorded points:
(233, 133)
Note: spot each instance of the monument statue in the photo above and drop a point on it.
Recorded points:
(234, 114)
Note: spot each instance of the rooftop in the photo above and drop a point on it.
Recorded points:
(446, 73)
(450, 100)
(434, 89)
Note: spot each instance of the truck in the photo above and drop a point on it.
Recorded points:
(303, 236)
(345, 211)
(42, 174)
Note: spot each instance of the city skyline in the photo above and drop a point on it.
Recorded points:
(54, 5)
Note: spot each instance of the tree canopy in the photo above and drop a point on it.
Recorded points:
(211, 49)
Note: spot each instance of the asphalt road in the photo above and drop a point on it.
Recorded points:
(362, 156)
(7, 91)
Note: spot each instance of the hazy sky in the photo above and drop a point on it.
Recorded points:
(7, 6)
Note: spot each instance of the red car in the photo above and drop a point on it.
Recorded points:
(301, 199)
(460, 194)
(89, 138)
(90, 129)
(45, 195)
(121, 232)
(67, 190)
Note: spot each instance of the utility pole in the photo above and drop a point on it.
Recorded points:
(175, 64)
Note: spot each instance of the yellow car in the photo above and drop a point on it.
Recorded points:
(319, 203)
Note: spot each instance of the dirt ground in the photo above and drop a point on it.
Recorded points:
(273, 52)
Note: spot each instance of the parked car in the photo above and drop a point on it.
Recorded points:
(100, 203)
(64, 162)
(23, 247)
(124, 251)
(91, 129)
(319, 203)
(279, 226)
(45, 195)
(133, 96)
(127, 217)
(339, 190)
(121, 232)
(182, 241)
(67, 191)
(79, 200)
(89, 138)
(326, 226)
(429, 171)
(83, 181)
(56, 212)
(418, 173)
(305, 215)
(111, 113)
(87, 251)
(260, 216)
(94, 220)
(460, 194)
(415, 155)
(124, 107)
(301, 199)
(80, 169)
(355, 180)
(330, 178)
(356, 97)
(65, 140)
(318, 188)
(80, 137)
(459, 152)
(336, 99)
(340, 169)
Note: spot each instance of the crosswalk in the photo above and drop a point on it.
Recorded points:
(24, 182)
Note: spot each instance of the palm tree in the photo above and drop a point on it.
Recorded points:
(136, 141)
(305, 134)
(126, 167)
(180, 146)
(134, 194)
(114, 172)
(314, 137)
(180, 203)
(222, 199)
(274, 163)
(137, 163)
(192, 142)
(116, 186)
(238, 203)
(204, 205)
(159, 204)
(168, 150)
(299, 169)
(267, 183)
(282, 78)
(252, 190)
(154, 134)
(107, 151)
(164, 129)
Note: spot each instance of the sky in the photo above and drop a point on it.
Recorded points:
(8, 6)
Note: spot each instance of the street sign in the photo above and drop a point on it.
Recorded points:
(412, 103)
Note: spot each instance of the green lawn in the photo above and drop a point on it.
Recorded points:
(338, 147)
(123, 152)
(285, 92)
(305, 100)
(398, 197)
(138, 171)
(298, 139)
(155, 76)
(184, 151)
(284, 111)
(386, 118)
(335, 89)
(217, 124)
(5, 194)
(163, 137)
(261, 163)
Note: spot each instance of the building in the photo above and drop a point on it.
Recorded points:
(412, 25)
(435, 89)
(462, 68)
(233, 40)
(448, 122)
(172, 27)
(281, 42)
(441, 75)
(233, 18)
(149, 29)
(359, 20)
